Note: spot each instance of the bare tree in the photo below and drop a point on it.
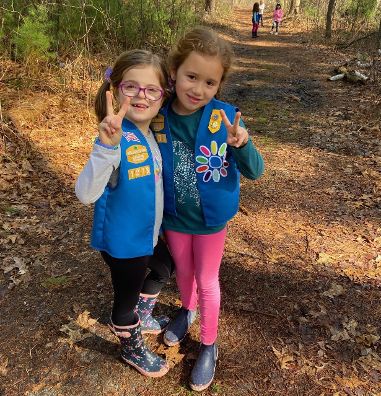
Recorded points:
(328, 25)
(209, 6)
(294, 7)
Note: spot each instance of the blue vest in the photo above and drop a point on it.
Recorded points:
(216, 171)
(124, 216)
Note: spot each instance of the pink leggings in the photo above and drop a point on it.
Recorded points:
(197, 259)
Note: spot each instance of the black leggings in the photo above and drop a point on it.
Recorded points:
(129, 279)
(276, 25)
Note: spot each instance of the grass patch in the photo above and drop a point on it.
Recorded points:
(264, 105)
(216, 388)
(267, 142)
(55, 281)
(11, 210)
(261, 120)
(267, 66)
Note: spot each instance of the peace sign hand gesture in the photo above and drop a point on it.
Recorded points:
(237, 135)
(110, 129)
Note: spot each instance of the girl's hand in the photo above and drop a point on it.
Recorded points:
(110, 129)
(237, 136)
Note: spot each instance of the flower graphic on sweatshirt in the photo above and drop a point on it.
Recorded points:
(213, 162)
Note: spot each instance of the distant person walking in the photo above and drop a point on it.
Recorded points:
(261, 11)
(255, 19)
(277, 18)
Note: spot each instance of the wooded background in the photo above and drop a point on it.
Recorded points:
(46, 31)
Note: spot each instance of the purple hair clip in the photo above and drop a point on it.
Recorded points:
(108, 73)
(171, 85)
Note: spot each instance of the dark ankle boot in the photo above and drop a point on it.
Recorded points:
(178, 327)
(203, 371)
(150, 324)
(135, 352)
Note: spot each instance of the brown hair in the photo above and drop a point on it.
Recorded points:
(128, 60)
(256, 7)
(204, 41)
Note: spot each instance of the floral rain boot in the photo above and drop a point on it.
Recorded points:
(135, 352)
(203, 371)
(178, 327)
(144, 308)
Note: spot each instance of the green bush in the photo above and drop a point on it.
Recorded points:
(97, 26)
(362, 8)
(6, 27)
(32, 39)
(85, 27)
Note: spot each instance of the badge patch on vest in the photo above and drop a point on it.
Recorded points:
(137, 154)
(213, 162)
(139, 172)
(215, 121)
(161, 137)
(130, 136)
(157, 124)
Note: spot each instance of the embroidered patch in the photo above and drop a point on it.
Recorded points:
(130, 136)
(137, 154)
(215, 121)
(157, 124)
(142, 171)
(161, 137)
(213, 162)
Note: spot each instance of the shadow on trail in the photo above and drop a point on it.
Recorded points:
(264, 307)
(285, 308)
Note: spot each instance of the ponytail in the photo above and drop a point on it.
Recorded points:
(100, 101)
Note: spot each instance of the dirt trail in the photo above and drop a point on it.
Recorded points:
(301, 273)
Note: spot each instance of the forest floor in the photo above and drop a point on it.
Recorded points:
(301, 273)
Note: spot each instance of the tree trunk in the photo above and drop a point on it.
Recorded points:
(57, 24)
(328, 26)
(209, 6)
(379, 36)
(294, 7)
(297, 7)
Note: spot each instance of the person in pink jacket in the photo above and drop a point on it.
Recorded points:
(277, 18)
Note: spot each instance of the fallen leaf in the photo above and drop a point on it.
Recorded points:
(367, 339)
(85, 321)
(339, 335)
(335, 290)
(3, 365)
(283, 358)
(172, 355)
(324, 258)
(75, 333)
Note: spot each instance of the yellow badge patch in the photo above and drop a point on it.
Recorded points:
(157, 124)
(215, 121)
(139, 172)
(137, 154)
(161, 137)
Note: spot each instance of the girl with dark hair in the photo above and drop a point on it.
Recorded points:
(255, 20)
(277, 18)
